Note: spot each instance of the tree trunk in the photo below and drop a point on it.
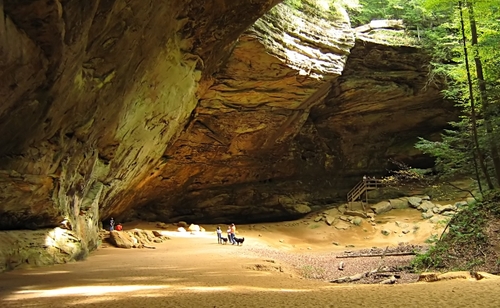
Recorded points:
(483, 92)
(472, 103)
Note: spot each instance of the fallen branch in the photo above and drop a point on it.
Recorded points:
(387, 274)
(410, 253)
(350, 278)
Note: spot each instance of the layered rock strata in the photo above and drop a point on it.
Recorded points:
(238, 141)
(92, 94)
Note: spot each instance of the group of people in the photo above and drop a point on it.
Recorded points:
(231, 234)
(112, 227)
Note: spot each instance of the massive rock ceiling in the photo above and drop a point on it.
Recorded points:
(169, 110)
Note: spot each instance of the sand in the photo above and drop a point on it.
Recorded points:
(194, 271)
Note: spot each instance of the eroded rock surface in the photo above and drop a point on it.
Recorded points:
(93, 92)
(165, 111)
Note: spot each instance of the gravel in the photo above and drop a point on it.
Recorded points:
(325, 266)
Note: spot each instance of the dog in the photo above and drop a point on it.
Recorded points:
(223, 240)
(239, 240)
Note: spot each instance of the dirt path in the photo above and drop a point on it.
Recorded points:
(194, 271)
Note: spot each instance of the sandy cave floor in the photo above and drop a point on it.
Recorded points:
(194, 271)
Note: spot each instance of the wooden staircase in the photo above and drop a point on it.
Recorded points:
(362, 188)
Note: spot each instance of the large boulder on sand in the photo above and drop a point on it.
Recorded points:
(401, 203)
(121, 239)
(414, 201)
(381, 207)
(194, 228)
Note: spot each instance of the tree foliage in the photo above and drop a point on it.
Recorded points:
(463, 37)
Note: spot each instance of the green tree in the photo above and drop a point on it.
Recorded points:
(474, 84)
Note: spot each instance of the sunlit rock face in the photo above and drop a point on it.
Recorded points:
(92, 94)
(279, 131)
(239, 138)
(177, 110)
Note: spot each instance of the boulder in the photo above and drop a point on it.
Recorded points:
(381, 207)
(318, 218)
(357, 221)
(428, 214)
(182, 224)
(181, 229)
(355, 213)
(385, 232)
(121, 239)
(156, 233)
(426, 205)
(401, 203)
(445, 208)
(414, 201)
(194, 228)
(301, 208)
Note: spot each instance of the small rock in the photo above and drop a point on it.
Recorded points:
(281, 241)
(329, 220)
(357, 221)
(405, 231)
(318, 218)
(335, 243)
(386, 232)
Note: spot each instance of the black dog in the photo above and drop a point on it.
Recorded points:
(239, 240)
(223, 240)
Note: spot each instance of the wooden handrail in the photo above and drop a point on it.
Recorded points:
(361, 187)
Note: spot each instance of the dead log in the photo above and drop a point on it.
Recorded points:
(350, 278)
(390, 280)
(364, 255)
(388, 274)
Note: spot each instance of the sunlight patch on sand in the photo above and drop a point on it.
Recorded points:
(102, 293)
(82, 291)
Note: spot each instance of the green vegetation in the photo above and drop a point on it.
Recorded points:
(467, 57)
(462, 36)
(468, 244)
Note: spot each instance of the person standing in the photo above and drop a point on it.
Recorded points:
(219, 235)
(111, 224)
(229, 234)
(233, 233)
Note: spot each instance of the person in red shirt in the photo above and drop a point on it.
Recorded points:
(119, 227)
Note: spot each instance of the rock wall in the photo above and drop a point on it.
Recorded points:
(296, 116)
(93, 92)
(164, 110)
(239, 138)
